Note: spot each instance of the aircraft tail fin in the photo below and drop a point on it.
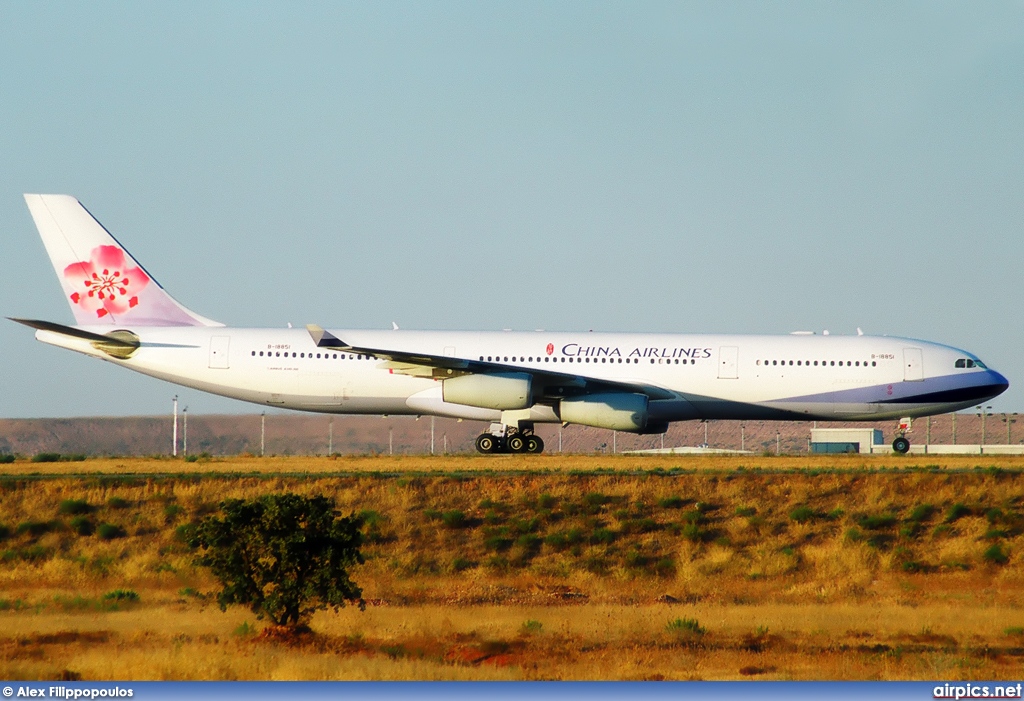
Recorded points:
(102, 282)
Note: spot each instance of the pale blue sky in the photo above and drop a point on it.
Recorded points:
(744, 167)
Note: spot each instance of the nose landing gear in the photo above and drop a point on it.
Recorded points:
(901, 444)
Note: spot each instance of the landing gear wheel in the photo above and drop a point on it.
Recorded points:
(901, 445)
(486, 443)
(516, 444)
(534, 444)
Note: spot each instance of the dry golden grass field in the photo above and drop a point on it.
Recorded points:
(543, 567)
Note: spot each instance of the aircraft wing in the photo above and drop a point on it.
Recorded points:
(555, 384)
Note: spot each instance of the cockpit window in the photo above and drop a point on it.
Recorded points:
(969, 363)
(961, 362)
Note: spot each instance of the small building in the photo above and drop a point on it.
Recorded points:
(845, 440)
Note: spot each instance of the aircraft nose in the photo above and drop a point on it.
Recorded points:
(997, 383)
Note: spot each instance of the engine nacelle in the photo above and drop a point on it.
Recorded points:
(618, 411)
(509, 390)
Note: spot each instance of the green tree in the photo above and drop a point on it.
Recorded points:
(282, 555)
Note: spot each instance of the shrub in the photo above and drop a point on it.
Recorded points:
(957, 511)
(921, 512)
(74, 506)
(665, 567)
(108, 531)
(121, 595)
(6, 458)
(532, 626)
(46, 457)
(603, 536)
(82, 525)
(996, 555)
(454, 519)
(498, 542)
(546, 501)
(171, 512)
(5, 531)
(695, 516)
(693, 532)
(462, 563)
(685, 626)
(877, 522)
(528, 541)
(745, 511)
(636, 560)
(802, 514)
(118, 503)
(560, 540)
(34, 528)
(671, 502)
(283, 555)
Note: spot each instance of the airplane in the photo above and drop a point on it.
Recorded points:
(634, 382)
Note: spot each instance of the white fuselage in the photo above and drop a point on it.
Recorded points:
(691, 376)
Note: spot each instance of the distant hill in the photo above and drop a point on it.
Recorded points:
(310, 434)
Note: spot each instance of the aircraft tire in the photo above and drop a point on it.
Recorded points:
(534, 444)
(516, 444)
(901, 445)
(486, 443)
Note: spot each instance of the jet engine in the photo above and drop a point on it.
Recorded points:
(618, 411)
(510, 390)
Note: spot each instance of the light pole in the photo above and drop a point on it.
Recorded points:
(431, 435)
(954, 427)
(174, 431)
(777, 451)
(983, 412)
(743, 437)
(263, 433)
(705, 433)
(184, 431)
(330, 437)
(391, 440)
(1009, 423)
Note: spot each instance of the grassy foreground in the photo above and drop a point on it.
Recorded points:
(549, 567)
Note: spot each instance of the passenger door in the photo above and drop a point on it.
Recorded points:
(913, 365)
(728, 363)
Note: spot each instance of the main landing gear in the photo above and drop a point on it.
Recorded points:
(901, 444)
(508, 439)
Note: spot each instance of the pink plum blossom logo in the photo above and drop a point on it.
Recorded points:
(108, 283)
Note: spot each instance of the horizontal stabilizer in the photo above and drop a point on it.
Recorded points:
(120, 344)
(75, 333)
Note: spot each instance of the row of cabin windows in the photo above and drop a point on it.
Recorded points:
(824, 363)
(531, 359)
(968, 363)
(325, 356)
